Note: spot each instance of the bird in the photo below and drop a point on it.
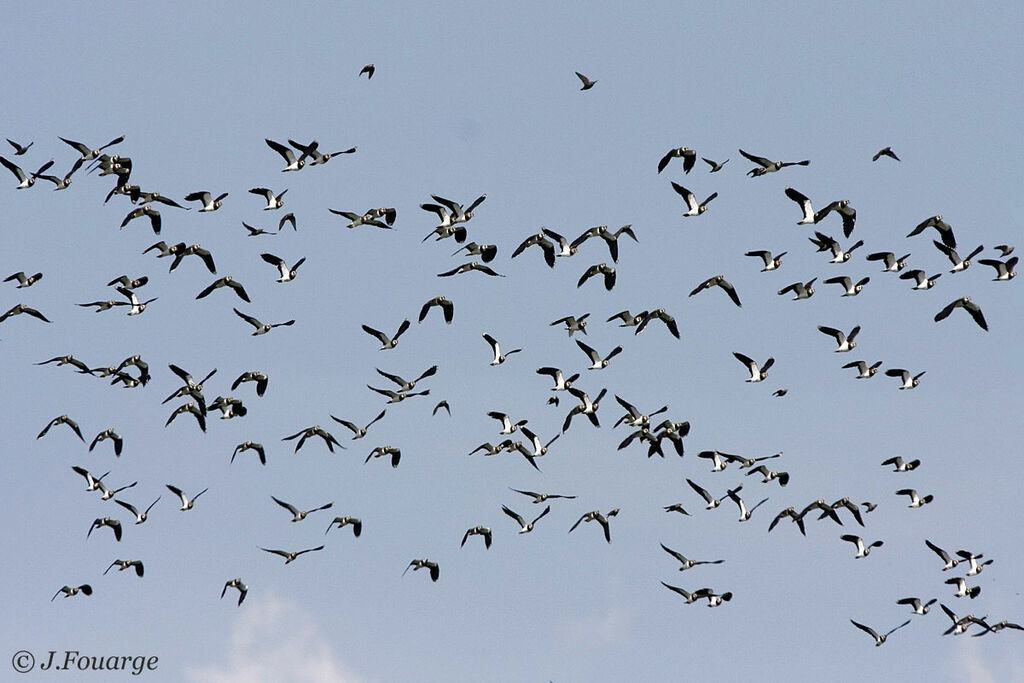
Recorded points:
(915, 500)
(140, 517)
(486, 252)
(844, 340)
(686, 563)
(847, 284)
(800, 290)
(291, 555)
(596, 516)
(693, 208)
(715, 166)
(273, 201)
(573, 324)
(19, 149)
(972, 559)
(507, 426)
(944, 229)
(89, 154)
(804, 202)
(137, 305)
(889, 260)
(586, 407)
(611, 239)
(250, 446)
(186, 502)
(129, 283)
(561, 382)
(885, 152)
(718, 281)
(965, 303)
(688, 156)
(950, 562)
(312, 151)
(599, 269)
(843, 208)
(190, 407)
(439, 406)
(1005, 270)
(770, 262)
(28, 281)
(477, 531)
(587, 83)
(405, 385)
(386, 341)
(155, 220)
(768, 475)
(398, 396)
(22, 308)
(261, 327)
(69, 591)
(297, 514)
(862, 550)
(826, 243)
(499, 357)
(315, 430)
(596, 362)
(459, 214)
(756, 374)
(383, 451)
(959, 264)
(467, 267)
(999, 626)
(357, 431)
(663, 316)
(711, 501)
(416, 565)
(229, 282)
(254, 232)
(879, 638)
(108, 434)
(524, 527)
(688, 596)
(287, 274)
(92, 482)
(237, 585)
(745, 512)
(904, 375)
(287, 218)
(369, 69)
(442, 302)
(790, 512)
(99, 523)
(916, 604)
(347, 520)
(539, 240)
(541, 497)
(206, 199)
(899, 465)
(962, 589)
(62, 420)
(24, 181)
(633, 417)
(125, 564)
(291, 162)
(256, 376)
(194, 250)
(919, 276)
(766, 166)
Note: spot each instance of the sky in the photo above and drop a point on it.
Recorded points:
(470, 100)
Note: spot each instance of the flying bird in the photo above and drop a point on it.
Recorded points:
(879, 638)
(261, 327)
(587, 83)
(693, 208)
(767, 166)
(885, 152)
(965, 303)
(718, 281)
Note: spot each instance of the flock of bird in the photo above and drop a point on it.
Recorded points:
(443, 218)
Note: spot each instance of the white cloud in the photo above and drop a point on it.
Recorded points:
(275, 641)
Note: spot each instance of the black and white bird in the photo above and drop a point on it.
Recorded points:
(693, 207)
(155, 220)
(844, 340)
(507, 426)
(256, 376)
(843, 208)
(369, 69)
(524, 528)
(261, 452)
(848, 285)
(949, 561)
(915, 500)
(904, 375)
(62, 420)
(93, 482)
(229, 282)
(917, 605)
(718, 281)
(586, 407)
(587, 83)
(486, 252)
(757, 374)
(309, 432)
(469, 267)
(273, 201)
(686, 563)
(499, 357)
(88, 154)
(715, 166)
(100, 522)
(573, 324)
(261, 327)
(596, 361)
(292, 163)
(29, 280)
(862, 550)
(541, 497)
(1004, 269)
(442, 302)
(663, 316)
(944, 229)
(889, 260)
(357, 431)
(972, 560)
(207, 200)
(826, 243)
(879, 638)
(312, 151)
(767, 166)
(287, 274)
(745, 512)
(297, 514)
(770, 262)
(962, 589)
(291, 555)
(711, 501)
(922, 280)
(386, 341)
(599, 269)
(800, 290)
(965, 303)
(186, 502)
(596, 516)
(562, 383)
(238, 585)
(385, 451)
(140, 517)
(19, 149)
(688, 156)
(69, 591)
(611, 239)
(477, 531)
(127, 564)
(416, 565)
(901, 465)
(344, 521)
(959, 264)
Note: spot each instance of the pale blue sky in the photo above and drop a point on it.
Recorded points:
(472, 99)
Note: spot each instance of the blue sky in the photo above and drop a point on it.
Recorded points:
(469, 100)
